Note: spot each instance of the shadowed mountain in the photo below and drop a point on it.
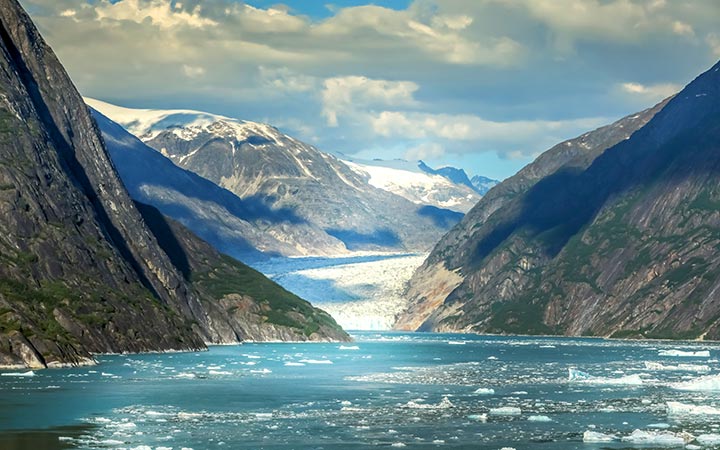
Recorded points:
(499, 269)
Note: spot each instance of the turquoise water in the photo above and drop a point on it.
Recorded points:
(384, 390)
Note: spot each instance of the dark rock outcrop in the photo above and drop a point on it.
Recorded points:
(80, 272)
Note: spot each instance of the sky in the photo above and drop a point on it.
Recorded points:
(485, 85)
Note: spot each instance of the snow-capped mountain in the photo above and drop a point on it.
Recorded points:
(235, 226)
(263, 166)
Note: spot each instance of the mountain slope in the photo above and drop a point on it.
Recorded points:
(258, 163)
(237, 227)
(80, 271)
(460, 264)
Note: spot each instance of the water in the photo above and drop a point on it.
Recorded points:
(393, 390)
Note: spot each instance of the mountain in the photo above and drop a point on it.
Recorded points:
(595, 237)
(483, 184)
(81, 271)
(405, 179)
(261, 165)
(242, 228)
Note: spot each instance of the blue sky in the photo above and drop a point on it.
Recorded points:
(486, 85)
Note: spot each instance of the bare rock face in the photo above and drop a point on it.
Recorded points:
(611, 234)
(80, 272)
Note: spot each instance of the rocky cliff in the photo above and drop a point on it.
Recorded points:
(578, 242)
(80, 271)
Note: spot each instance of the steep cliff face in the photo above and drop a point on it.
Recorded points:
(480, 262)
(80, 272)
(241, 303)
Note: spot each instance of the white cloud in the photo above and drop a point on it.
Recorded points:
(283, 79)
(682, 28)
(348, 95)
(193, 71)
(654, 92)
(160, 13)
(424, 151)
(713, 40)
(464, 127)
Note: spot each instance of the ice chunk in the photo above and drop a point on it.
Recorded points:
(505, 411)
(649, 365)
(349, 347)
(316, 361)
(539, 418)
(578, 376)
(29, 373)
(485, 391)
(658, 438)
(708, 439)
(685, 354)
(456, 342)
(684, 409)
(294, 364)
(478, 417)
(706, 383)
(594, 436)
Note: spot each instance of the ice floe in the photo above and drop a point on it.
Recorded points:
(706, 383)
(29, 373)
(485, 391)
(578, 376)
(505, 411)
(597, 437)
(658, 438)
(650, 365)
(684, 409)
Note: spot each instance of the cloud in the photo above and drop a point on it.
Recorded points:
(347, 95)
(465, 77)
(160, 13)
(653, 92)
(428, 150)
(193, 71)
(713, 40)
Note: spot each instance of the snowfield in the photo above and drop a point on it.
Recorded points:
(362, 292)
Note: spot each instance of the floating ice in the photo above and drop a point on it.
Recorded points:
(685, 354)
(579, 376)
(708, 439)
(684, 409)
(444, 404)
(29, 373)
(456, 342)
(485, 391)
(505, 411)
(594, 436)
(539, 418)
(349, 347)
(706, 383)
(316, 361)
(219, 372)
(294, 364)
(478, 417)
(261, 371)
(658, 438)
(649, 365)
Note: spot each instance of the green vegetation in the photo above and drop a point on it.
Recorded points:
(283, 307)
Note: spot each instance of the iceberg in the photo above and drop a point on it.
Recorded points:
(539, 418)
(684, 409)
(658, 438)
(649, 365)
(706, 383)
(594, 436)
(505, 411)
(485, 391)
(29, 373)
(708, 439)
(579, 376)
